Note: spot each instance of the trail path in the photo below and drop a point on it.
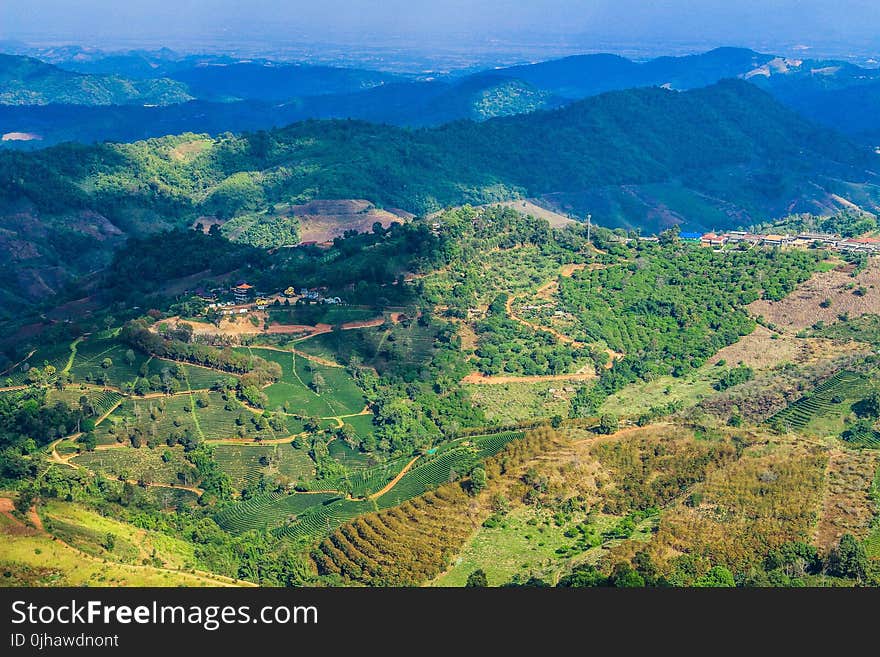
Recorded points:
(478, 378)
(303, 354)
(391, 484)
(21, 362)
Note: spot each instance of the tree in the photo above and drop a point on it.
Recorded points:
(347, 434)
(848, 559)
(869, 407)
(318, 382)
(107, 363)
(109, 542)
(626, 577)
(583, 575)
(608, 424)
(477, 579)
(25, 500)
(478, 480)
(670, 236)
(88, 441)
(717, 577)
(129, 357)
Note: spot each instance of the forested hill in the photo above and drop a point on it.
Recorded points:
(729, 144)
(620, 138)
(28, 81)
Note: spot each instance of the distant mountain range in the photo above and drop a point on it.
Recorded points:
(218, 94)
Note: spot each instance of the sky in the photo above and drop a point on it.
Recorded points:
(444, 23)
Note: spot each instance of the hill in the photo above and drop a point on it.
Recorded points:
(684, 443)
(28, 81)
(727, 152)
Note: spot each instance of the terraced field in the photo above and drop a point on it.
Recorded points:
(90, 355)
(431, 471)
(55, 355)
(350, 458)
(181, 414)
(844, 385)
(100, 400)
(267, 509)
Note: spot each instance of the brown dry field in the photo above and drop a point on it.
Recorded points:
(801, 308)
(555, 219)
(321, 221)
(847, 506)
(756, 503)
(759, 350)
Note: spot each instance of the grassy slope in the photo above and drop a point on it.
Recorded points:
(34, 558)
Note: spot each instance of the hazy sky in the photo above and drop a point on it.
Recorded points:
(449, 22)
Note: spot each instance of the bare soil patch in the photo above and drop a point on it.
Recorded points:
(802, 308)
(482, 379)
(322, 220)
(528, 206)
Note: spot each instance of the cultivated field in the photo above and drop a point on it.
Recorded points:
(301, 391)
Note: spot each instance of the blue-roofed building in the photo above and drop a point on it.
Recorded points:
(690, 237)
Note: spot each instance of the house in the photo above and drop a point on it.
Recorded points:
(713, 240)
(333, 301)
(825, 238)
(690, 237)
(262, 303)
(290, 292)
(242, 292)
(860, 244)
(777, 240)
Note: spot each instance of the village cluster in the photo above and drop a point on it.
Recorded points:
(245, 298)
(803, 240)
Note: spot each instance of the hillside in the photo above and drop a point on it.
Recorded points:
(28, 81)
(495, 394)
(728, 148)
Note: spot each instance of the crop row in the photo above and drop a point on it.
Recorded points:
(268, 510)
(802, 411)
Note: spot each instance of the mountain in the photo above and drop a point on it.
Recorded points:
(581, 76)
(234, 95)
(28, 81)
(714, 157)
(837, 94)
